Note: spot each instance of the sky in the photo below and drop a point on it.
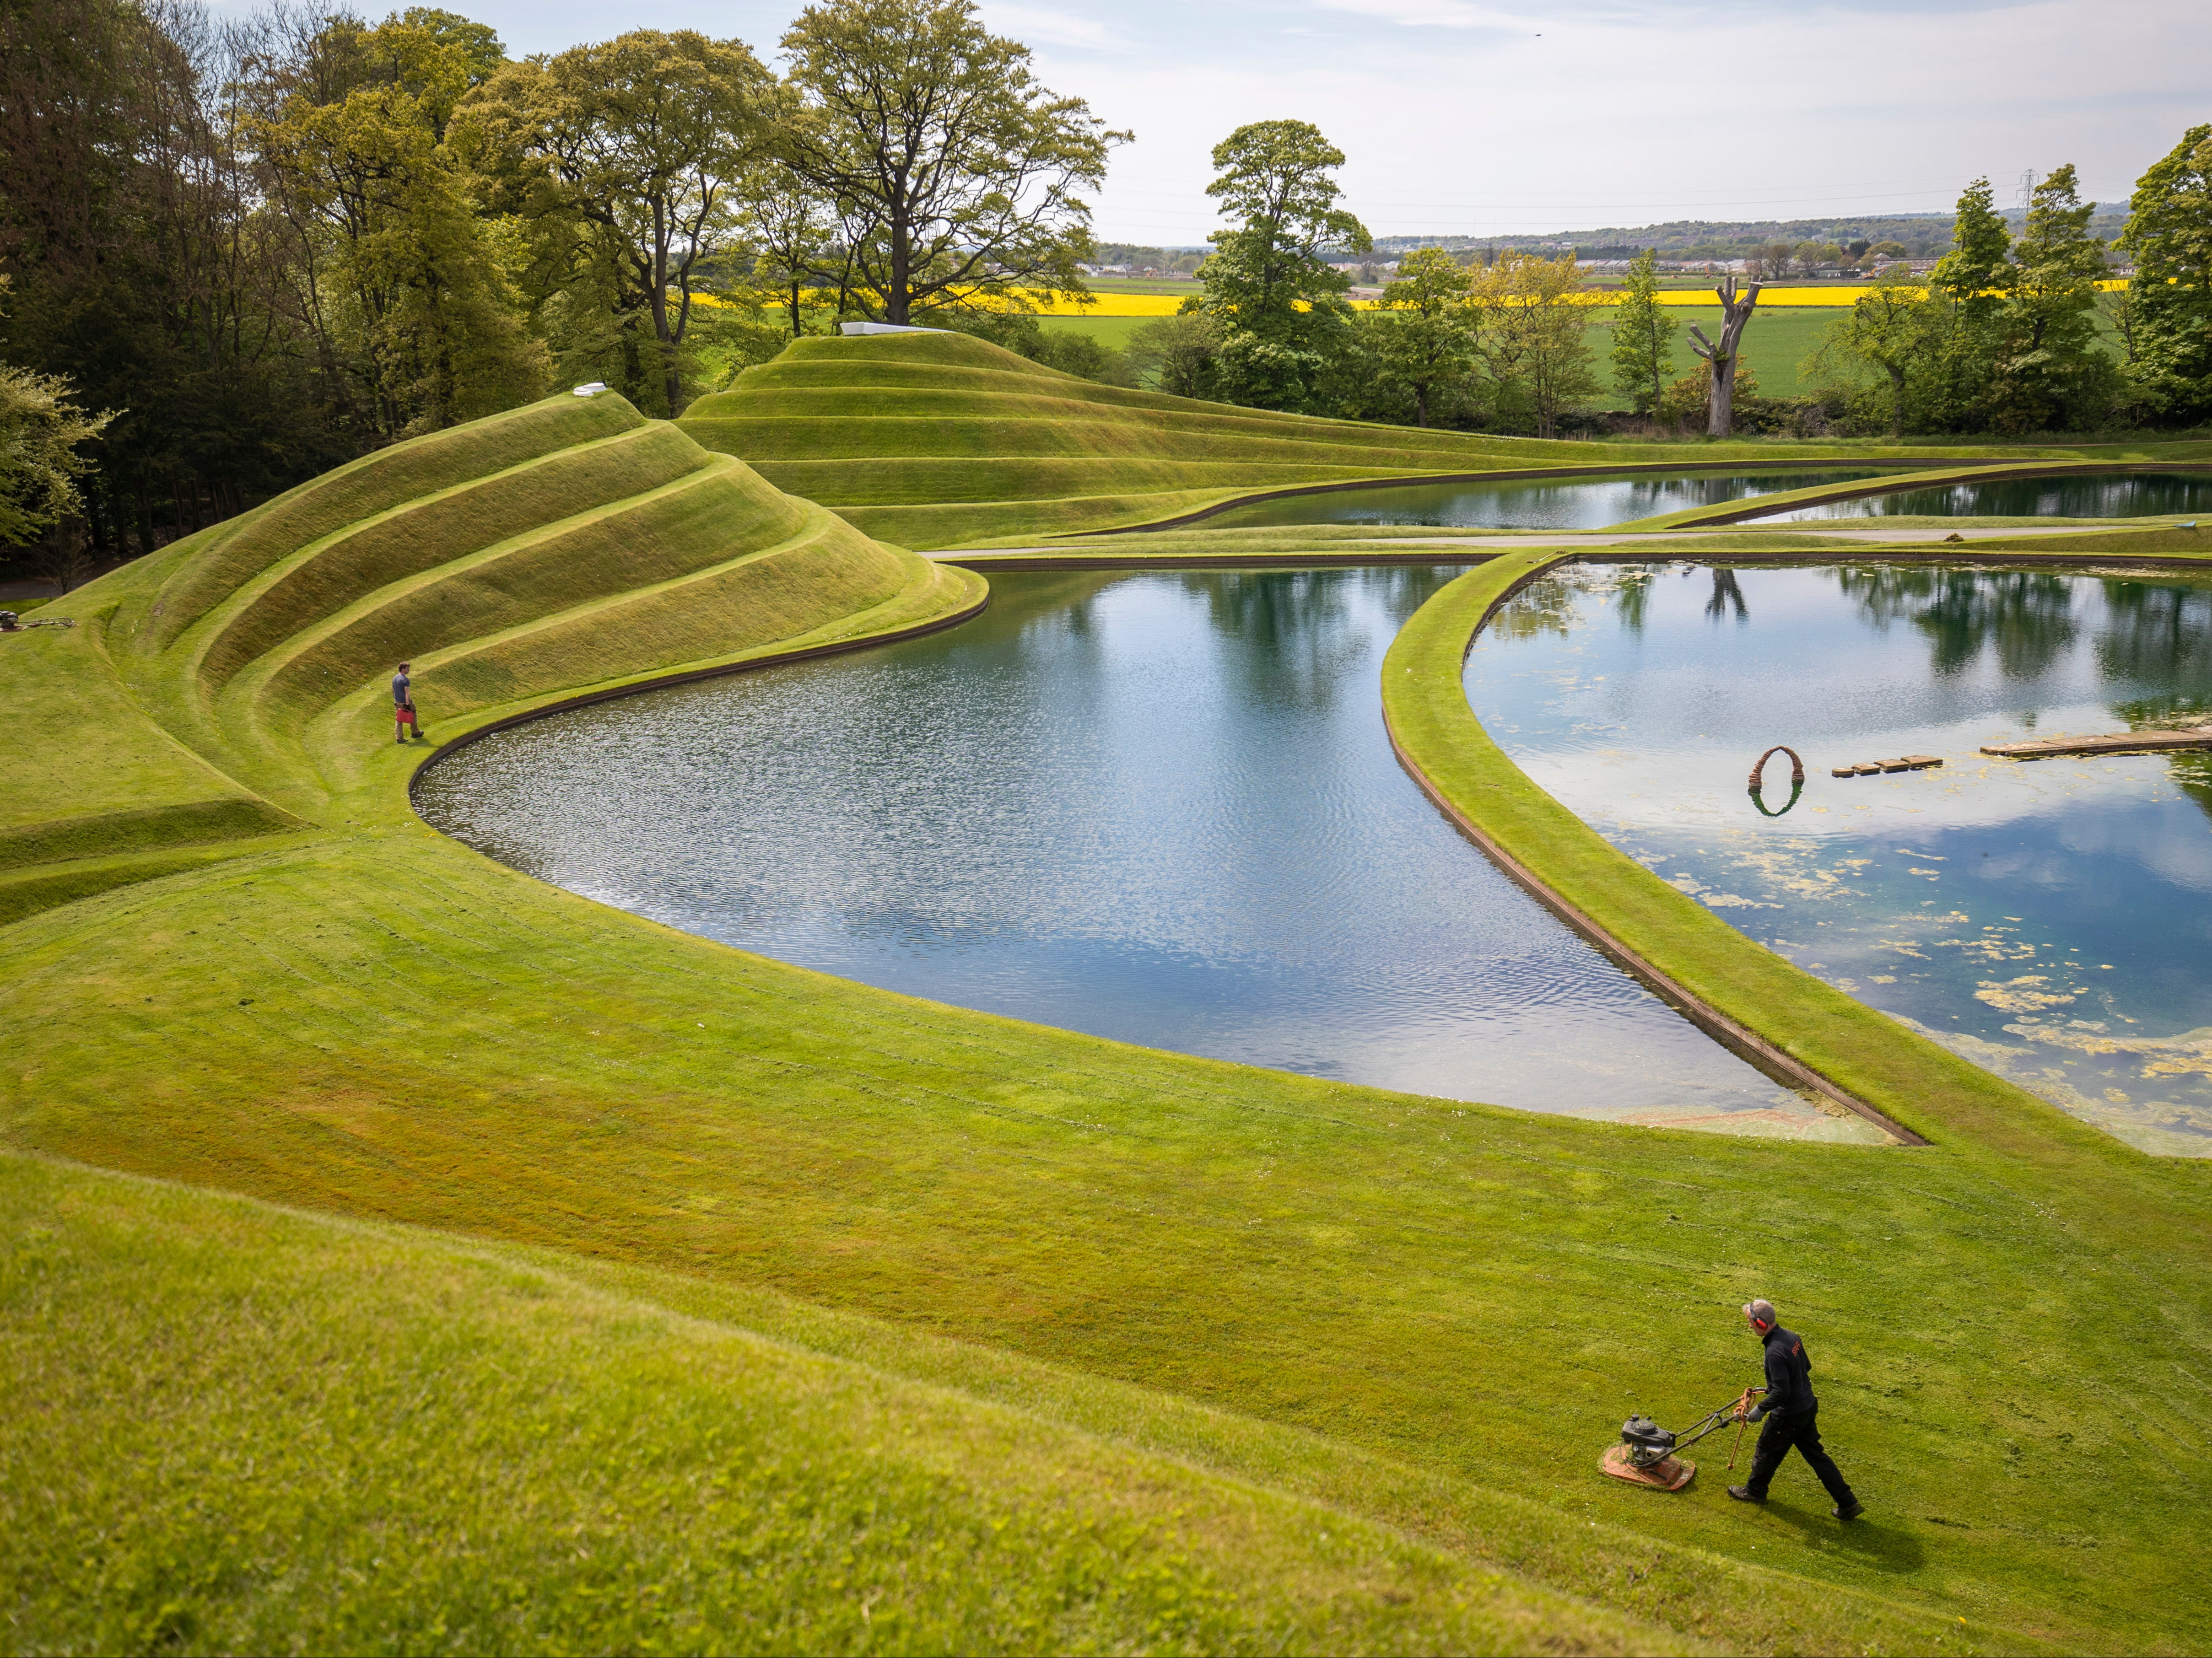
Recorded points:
(1475, 117)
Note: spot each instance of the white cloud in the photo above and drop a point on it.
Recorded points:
(1035, 26)
(1458, 117)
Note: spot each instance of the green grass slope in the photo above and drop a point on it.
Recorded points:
(555, 547)
(938, 440)
(1288, 1347)
(261, 1430)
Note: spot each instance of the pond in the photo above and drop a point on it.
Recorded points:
(1160, 808)
(2051, 919)
(1591, 503)
(2140, 494)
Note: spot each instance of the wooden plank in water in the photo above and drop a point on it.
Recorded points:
(2113, 742)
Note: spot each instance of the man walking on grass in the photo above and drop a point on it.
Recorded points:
(402, 704)
(1790, 1414)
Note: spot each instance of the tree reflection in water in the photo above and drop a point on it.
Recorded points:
(1726, 593)
(2026, 616)
(1290, 633)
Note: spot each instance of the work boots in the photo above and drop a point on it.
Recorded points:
(1745, 1494)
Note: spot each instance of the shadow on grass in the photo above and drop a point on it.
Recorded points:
(1871, 1541)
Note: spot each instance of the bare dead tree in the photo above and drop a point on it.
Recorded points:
(1720, 408)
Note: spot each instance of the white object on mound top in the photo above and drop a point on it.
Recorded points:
(592, 389)
(884, 328)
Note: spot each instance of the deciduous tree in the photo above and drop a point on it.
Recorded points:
(1178, 354)
(394, 261)
(955, 170)
(1888, 328)
(2169, 236)
(1721, 355)
(642, 140)
(1529, 337)
(1426, 331)
(1642, 337)
(1270, 289)
(1976, 274)
(42, 432)
(2049, 373)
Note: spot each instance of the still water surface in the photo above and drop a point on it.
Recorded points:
(1160, 808)
(2147, 494)
(1571, 504)
(2051, 919)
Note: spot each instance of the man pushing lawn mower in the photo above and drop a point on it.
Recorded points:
(1790, 1416)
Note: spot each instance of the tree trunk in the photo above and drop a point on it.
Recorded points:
(1421, 406)
(1896, 402)
(1720, 407)
(899, 304)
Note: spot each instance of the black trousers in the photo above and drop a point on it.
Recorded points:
(1800, 1429)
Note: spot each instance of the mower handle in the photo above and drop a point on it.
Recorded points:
(1715, 1420)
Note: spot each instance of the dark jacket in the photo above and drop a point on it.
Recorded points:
(1789, 1375)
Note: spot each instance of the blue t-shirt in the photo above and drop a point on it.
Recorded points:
(401, 689)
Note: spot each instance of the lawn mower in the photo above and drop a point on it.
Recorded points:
(1646, 1453)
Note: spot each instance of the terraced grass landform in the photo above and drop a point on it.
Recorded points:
(938, 440)
(401, 1253)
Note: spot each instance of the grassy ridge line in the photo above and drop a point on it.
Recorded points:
(1904, 1076)
(265, 1431)
(609, 550)
(227, 556)
(382, 1023)
(50, 884)
(88, 769)
(938, 441)
(417, 535)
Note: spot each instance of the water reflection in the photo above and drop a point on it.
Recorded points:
(1580, 504)
(2051, 920)
(1159, 807)
(2142, 494)
(1726, 595)
(2026, 615)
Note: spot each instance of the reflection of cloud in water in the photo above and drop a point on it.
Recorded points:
(2169, 1129)
(2043, 894)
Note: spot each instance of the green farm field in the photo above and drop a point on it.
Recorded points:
(405, 1253)
(1779, 342)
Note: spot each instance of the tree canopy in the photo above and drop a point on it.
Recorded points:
(955, 172)
(639, 148)
(2169, 236)
(1279, 303)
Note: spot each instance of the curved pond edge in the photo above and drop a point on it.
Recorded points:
(1735, 988)
(1788, 501)
(773, 656)
(1510, 475)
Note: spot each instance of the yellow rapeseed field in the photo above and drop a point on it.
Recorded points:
(1166, 305)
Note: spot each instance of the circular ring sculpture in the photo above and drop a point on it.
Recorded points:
(1797, 766)
(1796, 779)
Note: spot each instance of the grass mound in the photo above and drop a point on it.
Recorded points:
(558, 546)
(938, 440)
